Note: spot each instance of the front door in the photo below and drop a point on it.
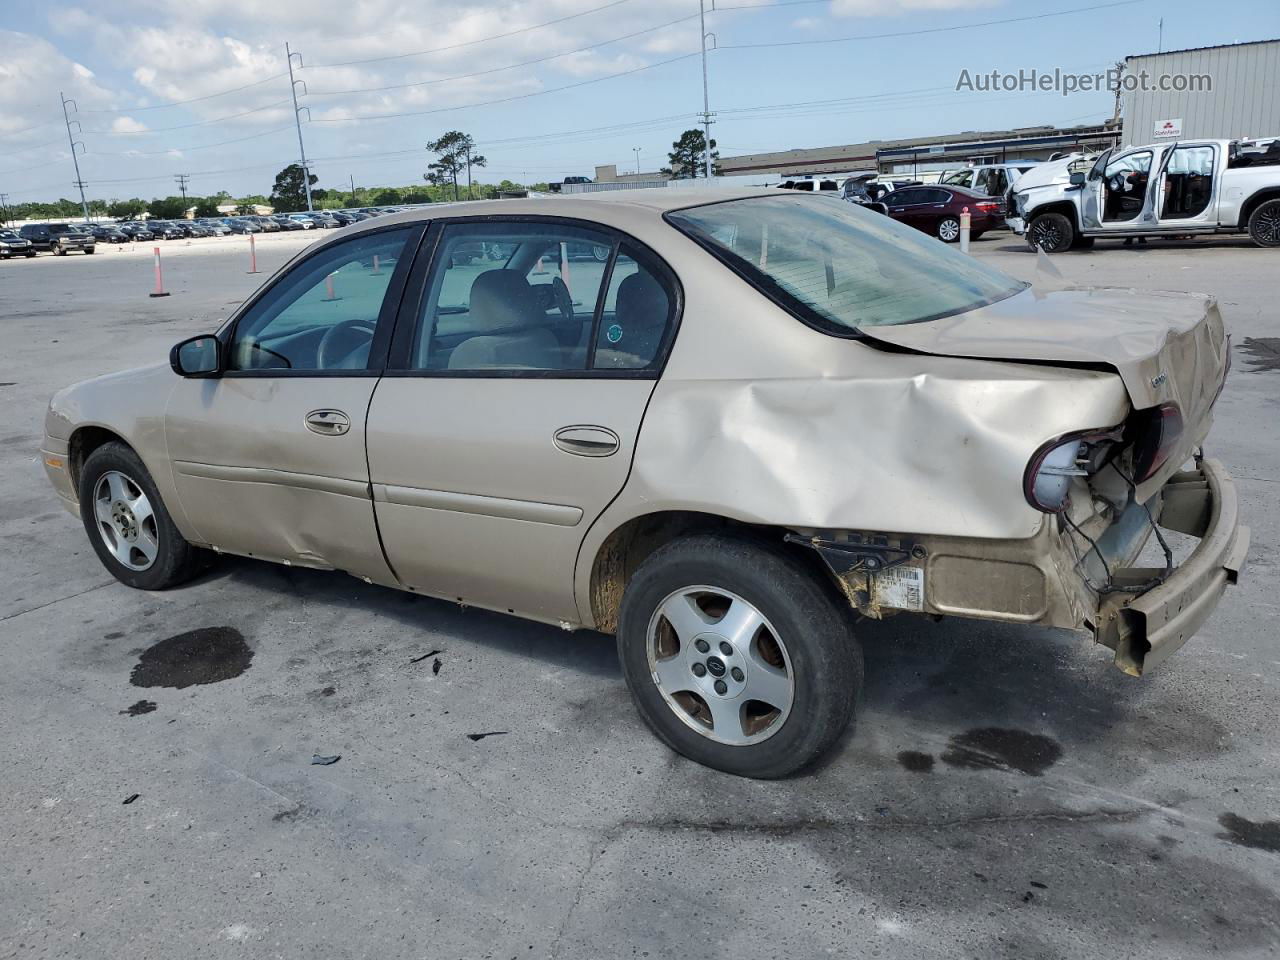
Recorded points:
(508, 416)
(269, 458)
(1117, 194)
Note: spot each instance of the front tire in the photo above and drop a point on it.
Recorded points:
(738, 656)
(1051, 232)
(1264, 224)
(129, 525)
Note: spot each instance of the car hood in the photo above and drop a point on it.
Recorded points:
(1046, 174)
(1166, 347)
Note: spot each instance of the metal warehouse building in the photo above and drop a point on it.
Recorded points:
(1242, 100)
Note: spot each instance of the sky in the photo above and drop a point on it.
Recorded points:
(548, 88)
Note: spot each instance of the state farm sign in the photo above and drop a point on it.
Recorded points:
(1168, 129)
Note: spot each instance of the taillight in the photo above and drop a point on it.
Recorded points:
(1155, 433)
(987, 207)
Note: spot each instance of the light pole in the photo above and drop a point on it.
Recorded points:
(706, 98)
(297, 118)
(636, 151)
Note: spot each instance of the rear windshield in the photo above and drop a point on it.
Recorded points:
(840, 266)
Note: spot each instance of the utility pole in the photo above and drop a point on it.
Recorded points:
(4, 209)
(1160, 44)
(636, 151)
(469, 197)
(84, 206)
(706, 99)
(182, 179)
(353, 188)
(297, 119)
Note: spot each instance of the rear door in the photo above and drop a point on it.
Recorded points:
(269, 458)
(507, 419)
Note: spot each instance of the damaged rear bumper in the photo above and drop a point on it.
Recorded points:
(1045, 579)
(1145, 629)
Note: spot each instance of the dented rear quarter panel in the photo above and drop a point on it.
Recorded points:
(764, 420)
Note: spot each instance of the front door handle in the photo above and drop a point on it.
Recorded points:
(328, 423)
(584, 440)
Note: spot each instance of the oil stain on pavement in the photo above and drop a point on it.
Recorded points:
(206, 655)
(139, 708)
(996, 748)
(1263, 353)
(1262, 835)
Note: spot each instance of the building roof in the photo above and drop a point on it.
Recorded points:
(1216, 46)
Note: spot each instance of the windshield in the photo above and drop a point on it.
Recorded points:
(961, 178)
(840, 266)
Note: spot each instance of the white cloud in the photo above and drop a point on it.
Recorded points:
(806, 23)
(127, 125)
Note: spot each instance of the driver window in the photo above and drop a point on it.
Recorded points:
(322, 313)
(1126, 185)
(511, 296)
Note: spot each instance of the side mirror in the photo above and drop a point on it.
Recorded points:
(1077, 179)
(198, 357)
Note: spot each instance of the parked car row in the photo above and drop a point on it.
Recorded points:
(62, 238)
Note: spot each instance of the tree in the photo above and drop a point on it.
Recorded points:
(385, 197)
(290, 190)
(170, 208)
(455, 152)
(207, 207)
(126, 209)
(688, 156)
(415, 195)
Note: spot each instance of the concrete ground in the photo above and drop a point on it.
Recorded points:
(1006, 793)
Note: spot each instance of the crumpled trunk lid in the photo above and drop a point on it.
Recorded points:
(1166, 347)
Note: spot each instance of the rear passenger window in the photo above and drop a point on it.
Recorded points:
(538, 297)
(635, 319)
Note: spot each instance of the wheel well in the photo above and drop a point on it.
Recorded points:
(1064, 207)
(632, 543)
(1255, 201)
(83, 442)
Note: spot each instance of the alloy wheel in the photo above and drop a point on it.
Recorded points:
(126, 521)
(720, 665)
(948, 230)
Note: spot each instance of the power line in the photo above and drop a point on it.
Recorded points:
(471, 43)
(179, 103)
(916, 33)
(511, 99)
(186, 126)
(200, 146)
(510, 66)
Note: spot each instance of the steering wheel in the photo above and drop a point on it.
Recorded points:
(564, 299)
(341, 340)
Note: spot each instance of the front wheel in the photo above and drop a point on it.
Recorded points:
(1264, 224)
(1051, 232)
(128, 524)
(738, 656)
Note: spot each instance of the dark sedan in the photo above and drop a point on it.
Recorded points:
(136, 231)
(105, 233)
(936, 210)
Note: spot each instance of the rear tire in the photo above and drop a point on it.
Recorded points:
(1051, 232)
(1264, 224)
(948, 230)
(129, 525)
(775, 632)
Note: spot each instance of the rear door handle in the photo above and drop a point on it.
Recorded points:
(328, 423)
(584, 440)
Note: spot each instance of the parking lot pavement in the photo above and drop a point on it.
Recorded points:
(1006, 793)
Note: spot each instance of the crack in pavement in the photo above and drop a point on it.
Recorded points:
(23, 613)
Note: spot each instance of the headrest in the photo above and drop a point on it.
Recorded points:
(641, 297)
(501, 300)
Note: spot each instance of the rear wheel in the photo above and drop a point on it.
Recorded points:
(737, 656)
(1264, 224)
(1051, 232)
(948, 230)
(128, 524)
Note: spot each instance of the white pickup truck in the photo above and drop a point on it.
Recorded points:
(1172, 189)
